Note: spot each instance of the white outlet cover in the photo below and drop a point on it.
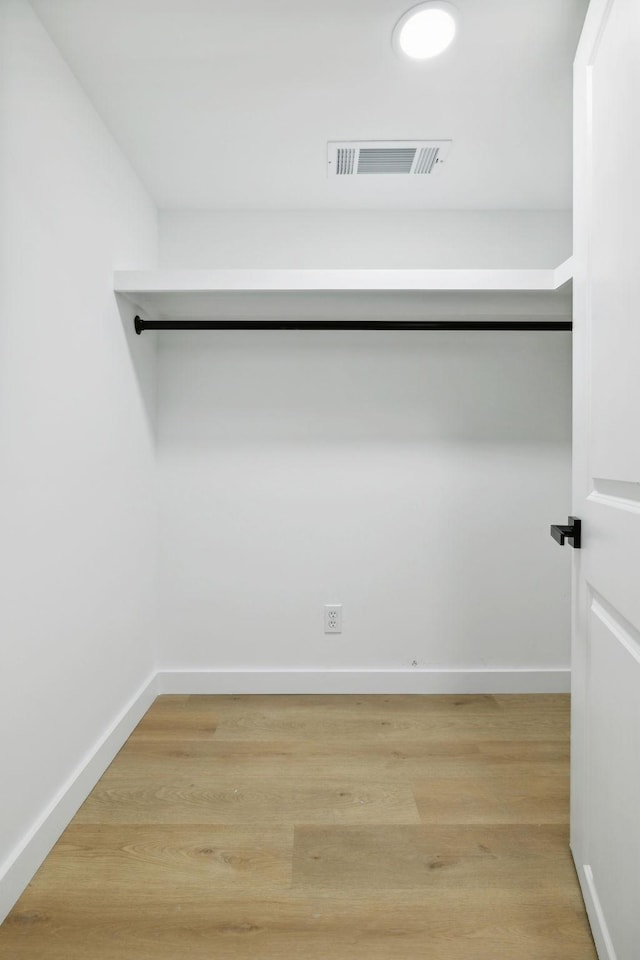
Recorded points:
(333, 618)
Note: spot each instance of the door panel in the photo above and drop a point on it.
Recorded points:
(605, 824)
(614, 277)
(613, 787)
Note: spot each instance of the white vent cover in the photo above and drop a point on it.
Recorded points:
(366, 157)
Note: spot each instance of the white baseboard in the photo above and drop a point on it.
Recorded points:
(599, 929)
(22, 863)
(364, 681)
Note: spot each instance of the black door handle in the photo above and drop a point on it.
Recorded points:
(570, 532)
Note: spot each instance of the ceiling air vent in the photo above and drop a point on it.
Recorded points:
(366, 157)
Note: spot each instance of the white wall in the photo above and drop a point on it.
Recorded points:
(77, 471)
(334, 238)
(410, 476)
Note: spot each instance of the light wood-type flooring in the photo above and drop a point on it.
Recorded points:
(319, 828)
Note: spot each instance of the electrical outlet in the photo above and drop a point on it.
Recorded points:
(333, 618)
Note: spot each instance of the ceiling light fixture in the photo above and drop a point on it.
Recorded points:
(426, 30)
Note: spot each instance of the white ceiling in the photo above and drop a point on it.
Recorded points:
(230, 103)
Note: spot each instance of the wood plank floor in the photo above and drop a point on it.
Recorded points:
(315, 827)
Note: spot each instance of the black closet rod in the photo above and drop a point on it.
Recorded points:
(141, 325)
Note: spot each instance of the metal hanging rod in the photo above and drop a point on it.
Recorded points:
(141, 325)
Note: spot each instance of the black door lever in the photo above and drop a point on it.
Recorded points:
(570, 532)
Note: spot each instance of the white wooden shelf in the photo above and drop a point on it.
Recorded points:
(317, 294)
(311, 281)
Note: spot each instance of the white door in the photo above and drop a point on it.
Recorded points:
(605, 813)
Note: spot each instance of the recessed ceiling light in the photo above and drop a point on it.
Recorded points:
(425, 30)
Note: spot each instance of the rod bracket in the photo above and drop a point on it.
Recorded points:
(138, 324)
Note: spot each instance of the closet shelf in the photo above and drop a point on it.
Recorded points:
(315, 281)
(352, 295)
